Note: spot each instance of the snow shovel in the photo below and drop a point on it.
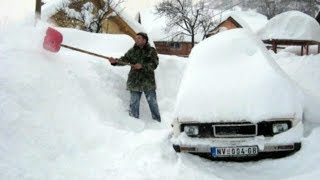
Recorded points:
(53, 39)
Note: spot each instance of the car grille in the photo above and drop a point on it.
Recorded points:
(235, 129)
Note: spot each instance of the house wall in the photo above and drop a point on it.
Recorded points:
(111, 26)
(115, 25)
(228, 24)
(170, 48)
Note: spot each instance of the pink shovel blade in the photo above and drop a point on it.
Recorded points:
(52, 40)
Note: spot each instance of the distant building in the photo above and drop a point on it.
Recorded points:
(165, 42)
(240, 19)
(177, 48)
(118, 22)
(227, 24)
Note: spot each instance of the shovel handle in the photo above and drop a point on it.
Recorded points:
(84, 51)
(91, 53)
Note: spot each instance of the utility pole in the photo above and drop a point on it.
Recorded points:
(38, 10)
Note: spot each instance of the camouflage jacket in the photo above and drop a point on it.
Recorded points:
(142, 79)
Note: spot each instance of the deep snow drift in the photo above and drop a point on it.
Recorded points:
(231, 77)
(64, 116)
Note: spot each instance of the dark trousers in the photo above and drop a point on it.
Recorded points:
(151, 97)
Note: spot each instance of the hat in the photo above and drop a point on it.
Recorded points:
(144, 35)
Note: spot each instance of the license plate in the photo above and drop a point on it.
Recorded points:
(234, 151)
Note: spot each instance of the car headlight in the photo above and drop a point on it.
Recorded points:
(279, 127)
(191, 130)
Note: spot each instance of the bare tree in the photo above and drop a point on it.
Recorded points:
(270, 8)
(206, 19)
(189, 16)
(90, 13)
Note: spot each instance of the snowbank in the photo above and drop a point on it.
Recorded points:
(304, 70)
(293, 25)
(64, 116)
(61, 113)
(231, 77)
(103, 44)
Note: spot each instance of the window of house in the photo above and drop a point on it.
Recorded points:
(175, 45)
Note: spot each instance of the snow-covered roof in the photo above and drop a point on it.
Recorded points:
(155, 27)
(250, 20)
(291, 25)
(134, 24)
(50, 8)
(231, 77)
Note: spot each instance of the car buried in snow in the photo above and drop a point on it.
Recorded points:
(235, 140)
(235, 103)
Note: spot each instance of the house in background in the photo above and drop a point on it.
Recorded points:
(250, 20)
(171, 47)
(118, 22)
(165, 42)
(229, 23)
(292, 28)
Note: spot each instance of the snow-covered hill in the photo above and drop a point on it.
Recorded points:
(64, 116)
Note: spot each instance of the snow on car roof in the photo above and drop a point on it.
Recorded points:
(293, 25)
(232, 77)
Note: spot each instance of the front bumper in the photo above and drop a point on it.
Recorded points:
(269, 151)
(280, 145)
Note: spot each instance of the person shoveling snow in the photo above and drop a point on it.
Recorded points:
(143, 60)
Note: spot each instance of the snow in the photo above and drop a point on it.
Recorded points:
(129, 19)
(250, 20)
(103, 43)
(304, 70)
(60, 113)
(64, 116)
(240, 81)
(50, 8)
(292, 25)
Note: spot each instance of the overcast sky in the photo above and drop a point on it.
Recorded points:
(19, 9)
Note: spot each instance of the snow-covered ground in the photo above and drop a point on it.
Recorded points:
(64, 116)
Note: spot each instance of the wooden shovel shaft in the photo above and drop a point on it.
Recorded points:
(91, 53)
(84, 51)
